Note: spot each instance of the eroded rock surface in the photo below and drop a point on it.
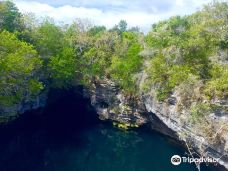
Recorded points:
(112, 104)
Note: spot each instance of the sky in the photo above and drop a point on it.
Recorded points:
(141, 13)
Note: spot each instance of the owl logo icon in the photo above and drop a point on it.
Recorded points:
(176, 160)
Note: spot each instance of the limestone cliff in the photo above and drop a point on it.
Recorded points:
(8, 113)
(112, 104)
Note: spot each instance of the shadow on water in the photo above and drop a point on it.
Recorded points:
(24, 141)
(67, 136)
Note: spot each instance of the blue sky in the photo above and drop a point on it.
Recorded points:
(142, 13)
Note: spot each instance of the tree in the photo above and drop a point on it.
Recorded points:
(122, 26)
(96, 30)
(126, 61)
(134, 29)
(9, 17)
(30, 25)
(48, 39)
(97, 58)
(19, 71)
(183, 47)
(62, 68)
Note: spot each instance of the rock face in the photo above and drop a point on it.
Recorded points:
(11, 112)
(112, 104)
(168, 114)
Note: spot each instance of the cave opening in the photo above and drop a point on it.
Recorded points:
(67, 112)
(67, 135)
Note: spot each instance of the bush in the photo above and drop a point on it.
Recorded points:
(19, 70)
(217, 86)
(199, 111)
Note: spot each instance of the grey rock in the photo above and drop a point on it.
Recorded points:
(112, 104)
(8, 113)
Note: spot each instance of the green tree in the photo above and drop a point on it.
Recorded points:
(10, 17)
(97, 58)
(62, 68)
(187, 46)
(19, 71)
(48, 39)
(96, 30)
(126, 61)
(122, 26)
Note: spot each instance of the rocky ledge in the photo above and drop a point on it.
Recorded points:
(8, 113)
(112, 104)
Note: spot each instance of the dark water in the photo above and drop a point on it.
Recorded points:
(69, 137)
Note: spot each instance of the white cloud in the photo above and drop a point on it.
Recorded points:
(64, 13)
(111, 12)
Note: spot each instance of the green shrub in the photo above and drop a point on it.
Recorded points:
(199, 111)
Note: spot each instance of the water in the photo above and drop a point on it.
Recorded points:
(69, 137)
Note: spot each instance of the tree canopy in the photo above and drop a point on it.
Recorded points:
(178, 53)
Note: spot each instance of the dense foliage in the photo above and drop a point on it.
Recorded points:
(188, 46)
(19, 71)
(10, 17)
(178, 55)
